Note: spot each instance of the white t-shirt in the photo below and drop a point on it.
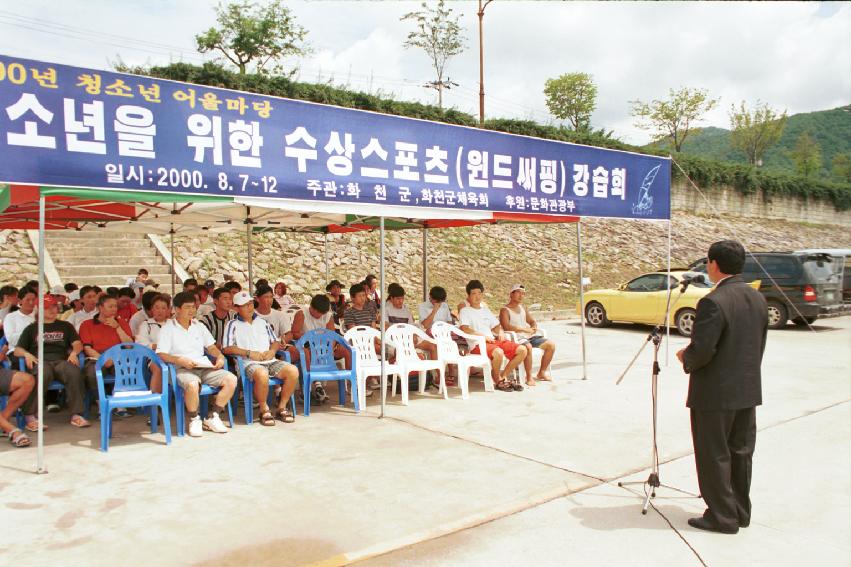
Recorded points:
(4, 312)
(136, 321)
(311, 323)
(82, 315)
(14, 324)
(204, 309)
(443, 312)
(480, 320)
(148, 333)
(393, 315)
(257, 335)
(279, 321)
(284, 300)
(177, 341)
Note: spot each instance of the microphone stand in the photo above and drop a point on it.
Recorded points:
(655, 337)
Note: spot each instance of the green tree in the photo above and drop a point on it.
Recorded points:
(673, 119)
(572, 97)
(248, 32)
(437, 33)
(806, 155)
(841, 167)
(753, 132)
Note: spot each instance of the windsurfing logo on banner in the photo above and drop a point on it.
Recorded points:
(644, 206)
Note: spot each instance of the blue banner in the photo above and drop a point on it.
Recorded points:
(69, 126)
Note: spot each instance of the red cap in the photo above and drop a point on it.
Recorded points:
(50, 301)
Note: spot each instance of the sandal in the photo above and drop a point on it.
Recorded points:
(33, 426)
(285, 416)
(267, 419)
(20, 440)
(79, 421)
(504, 386)
(516, 386)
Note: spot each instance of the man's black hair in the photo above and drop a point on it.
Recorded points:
(437, 293)
(230, 286)
(474, 284)
(7, 290)
(261, 282)
(148, 299)
(395, 290)
(183, 298)
(262, 290)
(217, 293)
(71, 286)
(97, 288)
(355, 289)
(142, 271)
(86, 289)
(369, 279)
(24, 291)
(729, 255)
(320, 303)
(127, 292)
(32, 284)
(190, 281)
(113, 291)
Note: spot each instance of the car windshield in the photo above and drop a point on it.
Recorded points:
(820, 269)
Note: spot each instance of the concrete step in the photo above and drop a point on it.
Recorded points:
(97, 244)
(156, 273)
(116, 280)
(88, 234)
(148, 261)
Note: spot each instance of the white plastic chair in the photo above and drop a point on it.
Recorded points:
(362, 339)
(448, 353)
(537, 354)
(401, 336)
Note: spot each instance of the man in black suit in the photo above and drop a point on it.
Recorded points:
(724, 359)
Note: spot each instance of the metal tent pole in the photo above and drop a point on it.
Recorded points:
(40, 468)
(425, 264)
(667, 326)
(581, 297)
(327, 265)
(248, 223)
(173, 273)
(381, 318)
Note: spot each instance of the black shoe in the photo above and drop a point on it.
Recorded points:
(708, 525)
(745, 523)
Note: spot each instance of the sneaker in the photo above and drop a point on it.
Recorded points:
(122, 412)
(214, 424)
(195, 427)
(320, 394)
(53, 408)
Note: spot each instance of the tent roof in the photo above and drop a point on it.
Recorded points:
(160, 213)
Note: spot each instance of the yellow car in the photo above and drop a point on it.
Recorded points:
(643, 300)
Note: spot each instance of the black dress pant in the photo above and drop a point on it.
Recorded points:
(724, 443)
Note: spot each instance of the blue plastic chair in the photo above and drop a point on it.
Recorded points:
(248, 389)
(323, 367)
(4, 400)
(131, 388)
(179, 405)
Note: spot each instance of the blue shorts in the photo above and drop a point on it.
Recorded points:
(537, 341)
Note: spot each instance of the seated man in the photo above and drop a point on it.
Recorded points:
(62, 348)
(20, 387)
(205, 302)
(334, 291)
(251, 336)
(149, 334)
(279, 320)
(361, 311)
(99, 334)
(182, 342)
(218, 318)
(144, 313)
(15, 322)
(476, 319)
(89, 296)
(514, 317)
(190, 284)
(318, 315)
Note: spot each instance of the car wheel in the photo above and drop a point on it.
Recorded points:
(801, 321)
(777, 315)
(595, 315)
(685, 322)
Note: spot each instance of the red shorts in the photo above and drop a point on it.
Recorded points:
(508, 347)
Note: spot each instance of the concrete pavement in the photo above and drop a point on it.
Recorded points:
(501, 478)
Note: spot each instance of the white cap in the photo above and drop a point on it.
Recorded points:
(58, 290)
(242, 298)
(74, 295)
(517, 286)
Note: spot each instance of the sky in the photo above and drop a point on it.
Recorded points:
(795, 56)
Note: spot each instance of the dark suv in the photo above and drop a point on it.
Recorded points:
(810, 284)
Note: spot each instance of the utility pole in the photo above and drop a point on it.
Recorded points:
(481, 14)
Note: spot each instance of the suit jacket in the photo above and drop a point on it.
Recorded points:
(727, 343)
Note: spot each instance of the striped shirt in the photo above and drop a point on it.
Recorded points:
(366, 316)
(217, 326)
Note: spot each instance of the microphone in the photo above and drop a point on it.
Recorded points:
(690, 279)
